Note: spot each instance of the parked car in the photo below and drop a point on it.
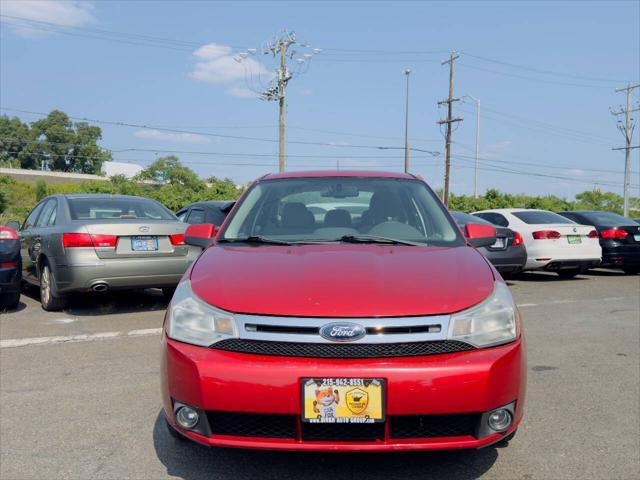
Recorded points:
(83, 242)
(508, 254)
(10, 277)
(205, 212)
(553, 242)
(290, 333)
(619, 238)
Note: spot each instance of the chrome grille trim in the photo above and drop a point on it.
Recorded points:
(306, 329)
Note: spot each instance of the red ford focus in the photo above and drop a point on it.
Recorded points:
(342, 311)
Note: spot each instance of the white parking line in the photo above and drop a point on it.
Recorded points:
(90, 337)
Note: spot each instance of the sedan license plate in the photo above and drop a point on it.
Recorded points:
(573, 239)
(144, 244)
(636, 238)
(342, 400)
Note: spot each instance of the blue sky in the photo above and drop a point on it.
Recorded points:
(569, 57)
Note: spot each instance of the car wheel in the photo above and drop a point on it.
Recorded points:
(631, 270)
(172, 431)
(49, 298)
(505, 441)
(9, 301)
(569, 273)
(168, 293)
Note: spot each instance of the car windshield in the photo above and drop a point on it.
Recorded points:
(463, 218)
(607, 218)
(539, 217)
(117, 208)
(348, 209)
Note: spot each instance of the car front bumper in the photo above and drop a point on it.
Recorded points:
(447, 387)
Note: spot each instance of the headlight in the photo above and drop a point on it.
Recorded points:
(192, 320)
(490, 323)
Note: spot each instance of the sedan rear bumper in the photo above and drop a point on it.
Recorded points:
(120, 273)
(240, 396)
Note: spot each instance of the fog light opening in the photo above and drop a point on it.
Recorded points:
(500, 420)
(187, 417)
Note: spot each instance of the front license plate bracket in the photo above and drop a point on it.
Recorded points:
(343, 400)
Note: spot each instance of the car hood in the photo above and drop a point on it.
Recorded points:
(342, 280)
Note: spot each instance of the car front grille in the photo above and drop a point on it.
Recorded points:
(286, 426)
(336, 350)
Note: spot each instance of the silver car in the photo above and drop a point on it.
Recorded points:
(91, 242)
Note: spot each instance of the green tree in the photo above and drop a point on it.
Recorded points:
(3, 201)
(597, 200)
(169, 170)
(41, 190)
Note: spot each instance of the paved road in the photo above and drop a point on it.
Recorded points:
(82, 404)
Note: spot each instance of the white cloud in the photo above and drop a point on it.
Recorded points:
(218, 64)
(575, 172)
(152, 134)
(73, 13)
(240, 92)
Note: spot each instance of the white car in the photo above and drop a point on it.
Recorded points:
(553, 242)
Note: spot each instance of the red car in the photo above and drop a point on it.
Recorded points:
(342, 311)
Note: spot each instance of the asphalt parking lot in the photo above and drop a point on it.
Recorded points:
(79, 396)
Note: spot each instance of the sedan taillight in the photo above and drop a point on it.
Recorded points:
(546, 235)
(614, 233)
(177, 239)
(8, 233)
(517, 239)
(73, 240)
(593, 234)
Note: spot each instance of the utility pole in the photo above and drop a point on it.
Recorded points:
(627, 131)
(283, 78)
(276, 88)
(407, 72)
(448, 122)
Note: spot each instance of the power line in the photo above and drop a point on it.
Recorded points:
(216, 135)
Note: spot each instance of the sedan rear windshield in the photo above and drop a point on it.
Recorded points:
(607, 219)
(117, 209)
(334, 209)
(538, 217)
(463, 218)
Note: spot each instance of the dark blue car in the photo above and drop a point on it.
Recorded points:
(10, 268)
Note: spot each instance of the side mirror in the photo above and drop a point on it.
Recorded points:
(13, 224)
(200, 235)
(480, 235)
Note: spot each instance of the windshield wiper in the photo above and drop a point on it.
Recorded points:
(377, 239)
(255, 239)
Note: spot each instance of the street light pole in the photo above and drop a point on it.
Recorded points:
(407, 72)
(475, 180)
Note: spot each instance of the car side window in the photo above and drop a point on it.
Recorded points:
(32, 217)
(48, 216)
(195, 216)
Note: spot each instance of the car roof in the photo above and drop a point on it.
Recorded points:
(211, 203)
(511, 210)
(99, 195)
(337, 173)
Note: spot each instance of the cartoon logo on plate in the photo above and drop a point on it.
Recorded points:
(144, 229)
(342, 332)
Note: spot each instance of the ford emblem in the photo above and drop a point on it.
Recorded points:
(144, 229)
(342, 332)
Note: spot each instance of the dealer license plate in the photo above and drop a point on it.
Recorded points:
(144, 244)
(573, 239)
(342, 400)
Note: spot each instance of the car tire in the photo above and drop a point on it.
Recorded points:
(168, 293)
(10, 301)
(50, 299)
(569, 273)
(172, 431)
(631, 270)
(505, 441)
